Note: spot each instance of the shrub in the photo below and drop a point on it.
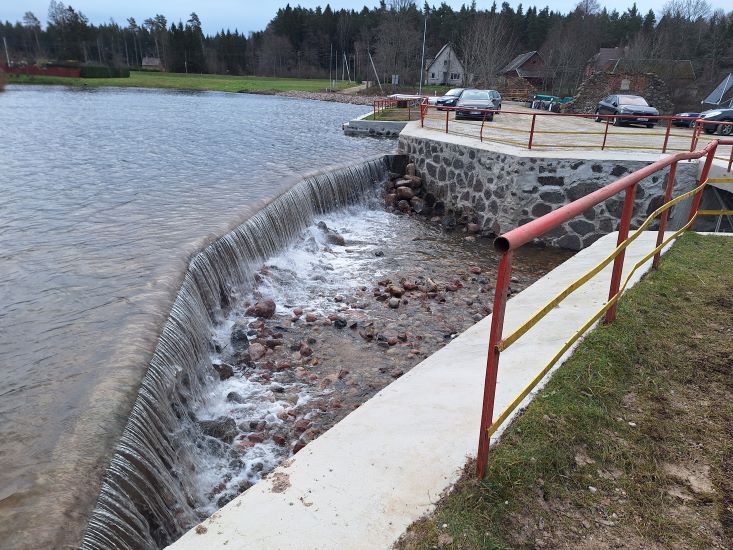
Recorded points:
(100, 71)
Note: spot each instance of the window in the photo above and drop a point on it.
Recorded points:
(455, 76)
(445, 63)
(432, 75)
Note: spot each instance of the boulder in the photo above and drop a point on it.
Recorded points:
(334, 238)
(264, 309)
(405, 193)
(223, 428)
(257, 351)
(411, 169)
(238, 338)
(225, 371)
(394, 303)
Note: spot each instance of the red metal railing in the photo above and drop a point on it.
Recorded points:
(411, 104)
(540, 124)
(507, 243)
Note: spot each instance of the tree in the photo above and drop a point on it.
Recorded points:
(487, 46)
(33, 24)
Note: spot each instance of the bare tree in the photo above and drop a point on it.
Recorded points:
(33, 24)
(487, 45)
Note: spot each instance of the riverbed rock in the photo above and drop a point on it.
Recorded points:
(234, 397)
(390, 199)
(404, 206)
(410, 169)
(394, 303)
(405, 193)
(473, 228)
(264, 309)
(223, 428)
(223, 370)
(257, 351)
(335, 238)
(239, 338)
(311, 317)
(418, 205)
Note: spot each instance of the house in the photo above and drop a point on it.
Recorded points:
(523, 76)
(605, 60)
(445, 69)
(152, 64)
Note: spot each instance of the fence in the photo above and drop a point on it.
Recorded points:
(386, 108)
(507, 243)
(547, 130)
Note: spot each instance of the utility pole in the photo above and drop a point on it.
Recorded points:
(330, 67)
(422, 62)
(7, 55)
(375, 72)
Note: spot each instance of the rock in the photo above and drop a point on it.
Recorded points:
(404, 206)
(223, 428)
(448, 221)
(418, 205)
(297, 312)
(306, 350)
(278, 439)
(311, 317)
(394, 303)
(475, 269)
(234, 397)
(257, 351)
(238, 338)
(335, 238)
(264, 309)
(379, 253)
(225, 371)
(339, 322)
(405, 193)
(473, 228)
(390, 199)
(395, 291)
(415, 181)
(408, 286)
(410, 169)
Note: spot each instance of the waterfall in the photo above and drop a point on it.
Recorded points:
(147, 498)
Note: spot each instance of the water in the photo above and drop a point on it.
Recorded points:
(106, 194)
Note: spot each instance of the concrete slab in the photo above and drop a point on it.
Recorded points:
(362, 483)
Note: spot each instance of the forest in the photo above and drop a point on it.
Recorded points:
(322, 42)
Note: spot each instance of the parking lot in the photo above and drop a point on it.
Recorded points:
(514, 126)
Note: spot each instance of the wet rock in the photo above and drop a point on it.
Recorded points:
(223, 428)
(405, 193)
(473, 228)
(410, 169)
(339, 322)
(335, 238)
(311, 317)
(278, 439)
(257, 351)
(394, 303)
(418, 205)
(395, 291)
(379, 253)
(264, 309)
(239, 338)
(306, 350)
(476, 270)
(223, 370)
(449, 222)
(297, 312)
(390, 199)
(234, 397)
(225, 499)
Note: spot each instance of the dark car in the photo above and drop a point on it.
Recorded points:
(473, 104)
(627, 105)
(496, 98)
(450, 98)
(681, 122)
(712, 117)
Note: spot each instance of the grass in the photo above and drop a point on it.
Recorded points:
(178, 81)
(631, 442)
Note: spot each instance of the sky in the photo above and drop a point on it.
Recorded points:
(253, 15)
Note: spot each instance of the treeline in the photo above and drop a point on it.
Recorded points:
(303, 42)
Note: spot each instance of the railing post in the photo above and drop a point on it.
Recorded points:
(483, 121)
(618, 263)
(504, 275)
(693, 140)
(605, 135)
(730, 160)
(531, 131)
(447, 113)
(665, 215)
(703, 177)
(666, 135)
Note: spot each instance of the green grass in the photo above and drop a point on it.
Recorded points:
(177, 81)
(653, 390)
(397, 114)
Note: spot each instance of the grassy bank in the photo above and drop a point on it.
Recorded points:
(630, 444)
(206, 82)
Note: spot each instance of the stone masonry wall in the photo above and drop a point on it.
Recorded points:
(500, 191)
(599, 85)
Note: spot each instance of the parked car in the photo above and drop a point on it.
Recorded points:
(473, 104)
(713, 116)
(495, 98)
(450, 99)
(684, 123)
(627, 105)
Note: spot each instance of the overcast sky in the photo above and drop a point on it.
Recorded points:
(248, 15)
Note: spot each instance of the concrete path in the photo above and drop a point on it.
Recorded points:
(362, 483)
(354, 89)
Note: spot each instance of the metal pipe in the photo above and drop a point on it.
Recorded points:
(531, 131)
(665, 215)
(605, 134)
(525, 233)
(618, 262)
(492, 362)
(666, 135)
(447, 114)
(713, 145)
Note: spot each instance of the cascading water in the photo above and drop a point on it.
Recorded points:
(148, 497)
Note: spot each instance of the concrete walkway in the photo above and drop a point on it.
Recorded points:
(362, 483)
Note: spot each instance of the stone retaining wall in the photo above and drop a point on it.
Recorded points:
(500, 191)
